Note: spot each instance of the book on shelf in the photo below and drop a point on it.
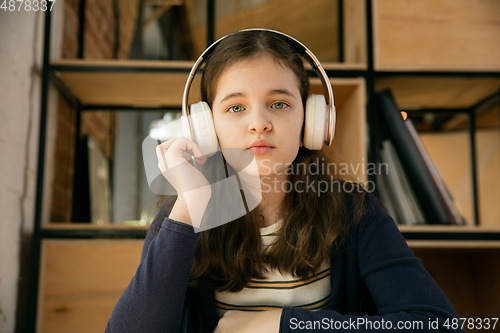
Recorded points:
(397, 194)
(428, 187)
(452, 207)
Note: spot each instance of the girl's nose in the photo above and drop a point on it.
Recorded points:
(259, 121)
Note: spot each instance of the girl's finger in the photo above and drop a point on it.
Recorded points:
(166, 145)
(160, 155)
(188, 157)
(195, 149)
(162, 148)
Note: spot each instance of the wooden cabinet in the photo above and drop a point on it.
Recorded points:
(81, 280)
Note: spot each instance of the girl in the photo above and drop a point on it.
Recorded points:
(337, 253)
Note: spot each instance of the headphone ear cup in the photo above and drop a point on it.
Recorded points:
(203, 128)
(315, 128)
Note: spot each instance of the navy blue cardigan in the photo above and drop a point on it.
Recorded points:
(374, 276)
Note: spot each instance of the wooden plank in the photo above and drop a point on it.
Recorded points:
(453, 244)
(82, 267)
(81, 281)
(127, 89)
(436, 228)
(79, 314)
(355, 32)
(41, 287)
(89, 226)
(174, 64)
(341, 66)
(314, 23)
(152, 64)
(413, 93)
(437, 35)
(485, 119)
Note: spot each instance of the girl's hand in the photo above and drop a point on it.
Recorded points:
(244, 321)
(176, 164)
(193, 189)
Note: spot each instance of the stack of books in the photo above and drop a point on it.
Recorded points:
(412, 189)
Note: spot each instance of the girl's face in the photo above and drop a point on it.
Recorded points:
(258, 107)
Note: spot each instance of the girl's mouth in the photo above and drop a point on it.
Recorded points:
(261, 150)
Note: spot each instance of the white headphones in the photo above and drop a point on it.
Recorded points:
(320, 116)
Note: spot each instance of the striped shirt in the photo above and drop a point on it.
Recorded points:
(278, 290)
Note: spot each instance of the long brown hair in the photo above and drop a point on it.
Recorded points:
(314, 224)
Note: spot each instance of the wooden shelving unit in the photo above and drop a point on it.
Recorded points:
(84, 268)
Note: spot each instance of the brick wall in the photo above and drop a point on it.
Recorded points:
(99, 42)
(62, 189)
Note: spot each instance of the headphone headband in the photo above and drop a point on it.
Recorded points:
(298, 46)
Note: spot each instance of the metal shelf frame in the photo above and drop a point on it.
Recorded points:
(370, 75)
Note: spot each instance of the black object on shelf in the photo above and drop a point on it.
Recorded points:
(411, 160)
(81, 189)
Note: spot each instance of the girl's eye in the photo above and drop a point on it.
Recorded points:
(279, 105)
(235, 109)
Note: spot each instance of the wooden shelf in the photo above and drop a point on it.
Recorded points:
(113, 65)
(453, 244)
(124, 83)
(90, 226)
(137, 83)
(344, 66)
(414, 93)
(456, 229)
(88, 231)
(451, 237)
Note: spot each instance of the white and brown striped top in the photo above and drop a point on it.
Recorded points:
(278, 290)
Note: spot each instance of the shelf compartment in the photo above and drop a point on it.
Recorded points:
(455, 167)
(436, 35)
(349, 145)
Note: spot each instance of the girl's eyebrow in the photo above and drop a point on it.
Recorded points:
(237, 94)
(281, 92)
(271, 92)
